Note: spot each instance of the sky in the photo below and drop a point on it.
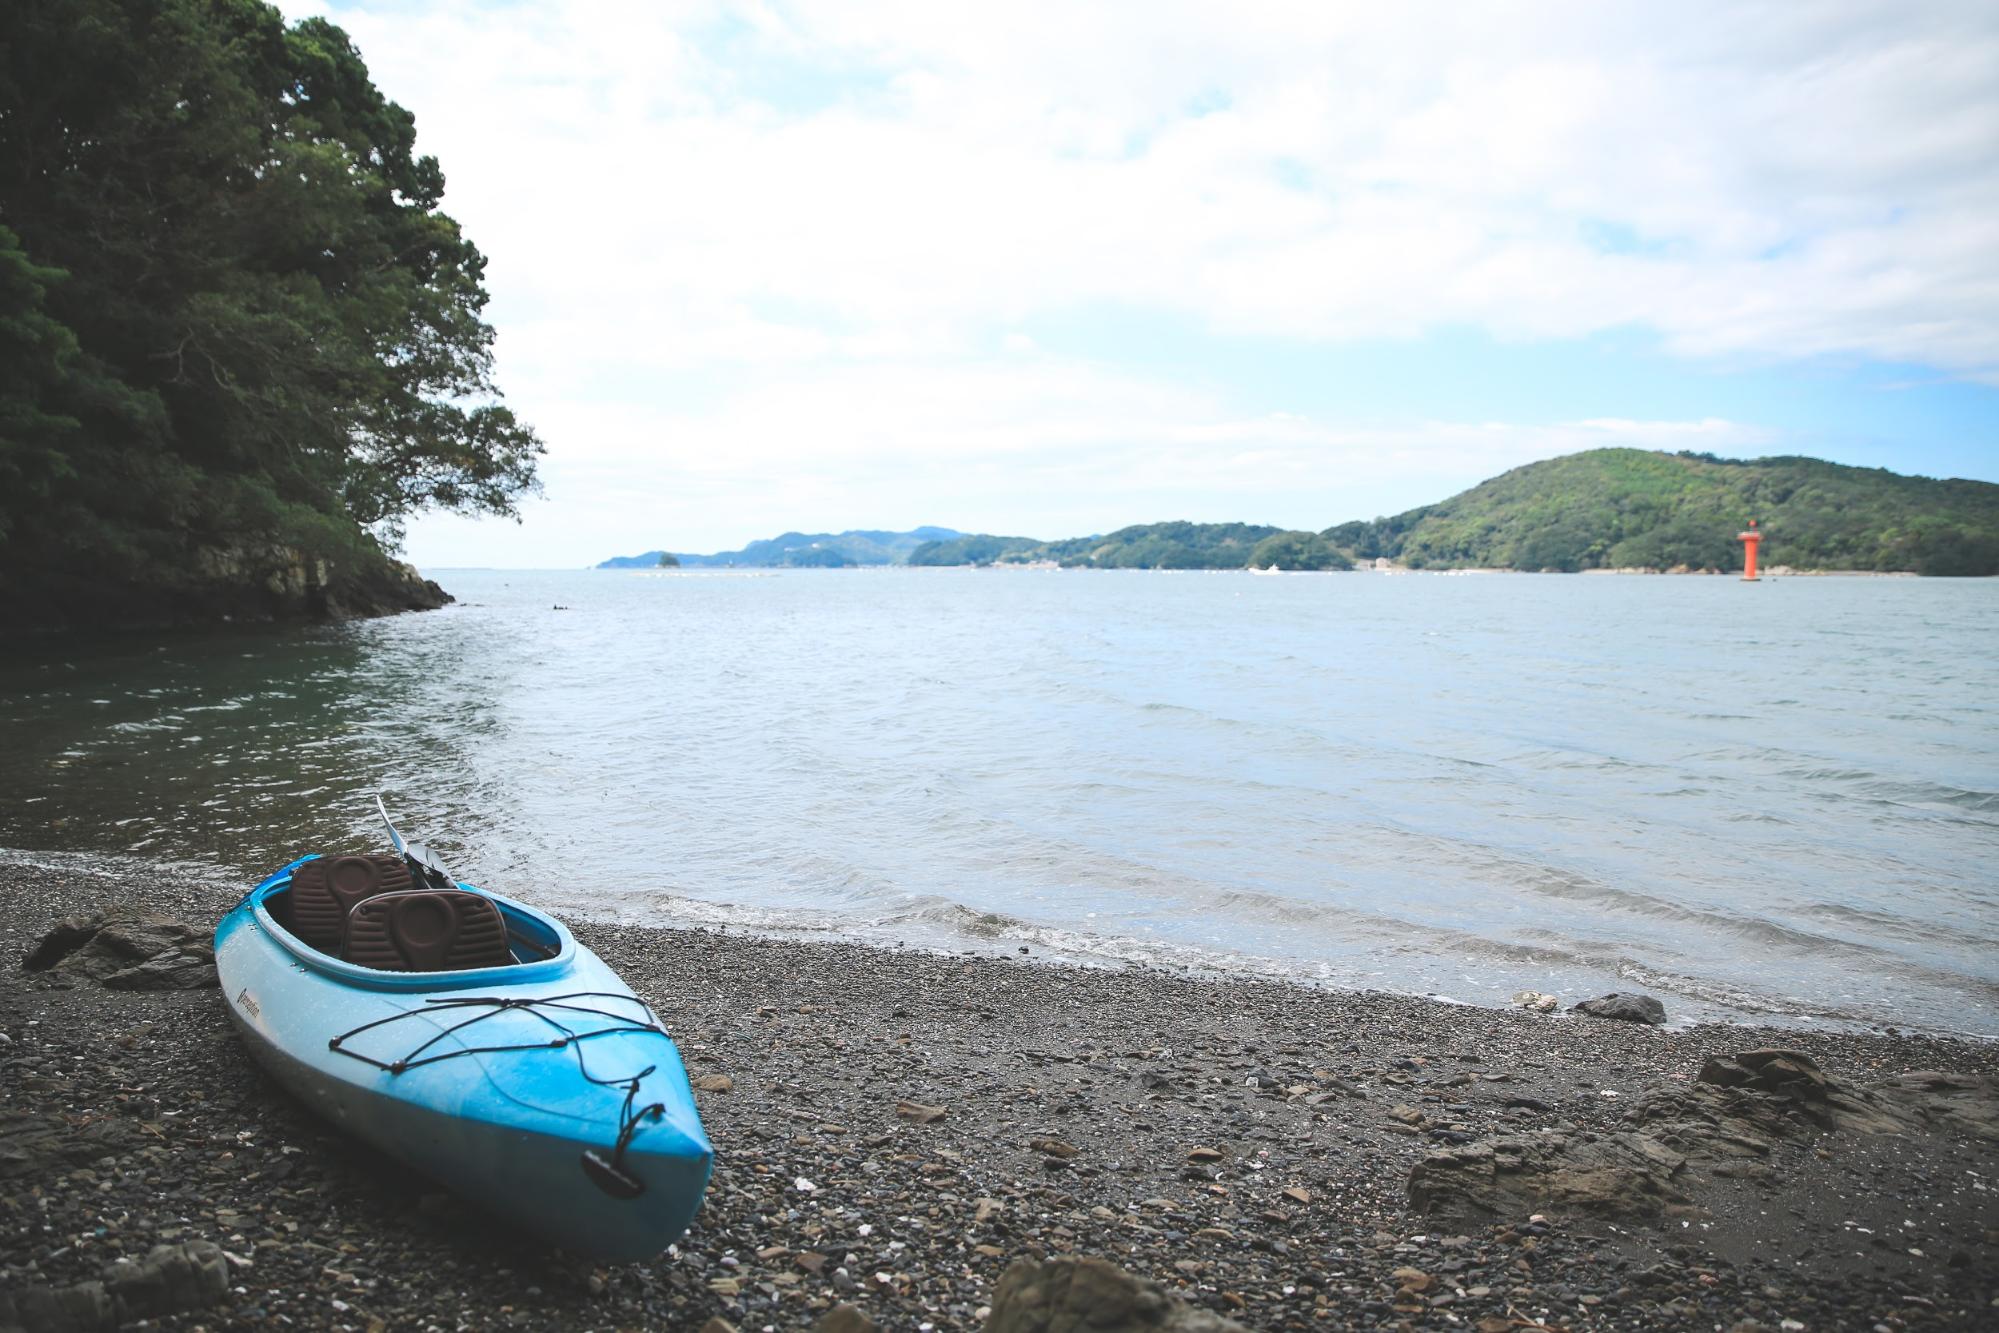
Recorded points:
(1048, 269)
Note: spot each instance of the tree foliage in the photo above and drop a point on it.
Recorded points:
(816, 557)
(1622, 508)
(1177, 545)
(1372, 539)
(231, 311)
(1297, 551)
(980, 549)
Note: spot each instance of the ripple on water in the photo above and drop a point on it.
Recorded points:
(1446, 786)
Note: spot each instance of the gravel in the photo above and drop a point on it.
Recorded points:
(894, 1127)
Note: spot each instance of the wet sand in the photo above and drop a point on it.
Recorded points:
(1247, 1144)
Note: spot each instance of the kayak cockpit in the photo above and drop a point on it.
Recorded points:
(366, 925)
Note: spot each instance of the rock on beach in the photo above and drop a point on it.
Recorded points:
(127, 949)
(1630, 1008)
(1085, 1295)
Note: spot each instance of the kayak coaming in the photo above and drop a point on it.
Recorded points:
(504, 1129)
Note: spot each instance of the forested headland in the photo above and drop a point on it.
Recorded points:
(240, 343)
(1175, 545)
(1602, 509)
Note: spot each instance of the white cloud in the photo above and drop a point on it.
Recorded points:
(1446, 163)
(874, 194)
(978, 447)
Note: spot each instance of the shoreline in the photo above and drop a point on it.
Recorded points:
(1246, 1143)
(1053, 567)
(1217, 966)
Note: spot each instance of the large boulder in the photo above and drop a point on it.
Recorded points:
(126, 949)
(1630, 1008)
(1085, 1295)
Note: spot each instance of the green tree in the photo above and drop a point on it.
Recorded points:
(36, 355)
(273, 335)
(1299, 551)
(979, 549)
(1175, 545)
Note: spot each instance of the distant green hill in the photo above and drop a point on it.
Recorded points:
(1604, 509)
(1178, 545)
(802, 550)
(981, 549)
(1298, 551)
(1622, 508)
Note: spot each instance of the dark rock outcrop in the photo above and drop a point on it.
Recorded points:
(1630, 1008)
(384, 590)
(1957, 1103)
(1728, 1122)
(1085, 1295)
(171, 1279)
(31, 1144)
(1744, 1104)
(127, 950)
(246, 581)
(279, 583)
(1613, 1175)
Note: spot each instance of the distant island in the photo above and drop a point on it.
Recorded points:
(1626, 509)
(799, 550)
(1603, 509)
(1176, 545)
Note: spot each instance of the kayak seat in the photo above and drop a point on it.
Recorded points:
(427, 931)
(324, 890)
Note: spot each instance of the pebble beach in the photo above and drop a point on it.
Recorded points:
(893, 1128)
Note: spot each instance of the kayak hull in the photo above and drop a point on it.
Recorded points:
(494, 1081)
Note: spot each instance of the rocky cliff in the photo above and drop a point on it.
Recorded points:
(236, 583)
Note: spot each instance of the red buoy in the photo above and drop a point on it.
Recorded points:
(1749, 540)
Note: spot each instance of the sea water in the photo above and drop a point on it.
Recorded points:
(1776, 801)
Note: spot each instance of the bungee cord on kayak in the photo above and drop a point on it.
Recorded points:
(499, 1004)
(630, 1121)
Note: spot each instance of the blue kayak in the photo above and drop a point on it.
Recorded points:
(531, 1082)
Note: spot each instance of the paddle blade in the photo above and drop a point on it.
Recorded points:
(429, 870)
